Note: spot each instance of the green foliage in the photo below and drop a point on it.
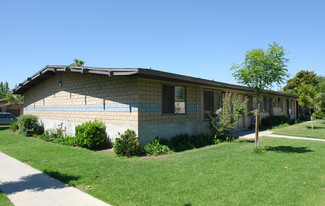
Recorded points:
(321, 89)
(320, 113)
(77, 62)
(309, 97)
(91, 135)
(272, 121)
(51, 135)
(14, 126)
(302, 77)
(156, 148)
(226, 120)
(5, 94)
(184, 142)
(127, 145)
(28, 125)
(14, 98)
(4, 88)
(262, 68)
(56, 136)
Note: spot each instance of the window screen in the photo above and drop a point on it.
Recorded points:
(180, 100)
(173, 100)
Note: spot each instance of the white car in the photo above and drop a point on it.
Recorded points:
(7, 118)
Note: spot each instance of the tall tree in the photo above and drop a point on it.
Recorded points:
(321, 89)
(4, 88)
(77, 62)
(303, 76)
(260, 71)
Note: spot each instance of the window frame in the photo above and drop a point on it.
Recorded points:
(162, 100)
(203, 110)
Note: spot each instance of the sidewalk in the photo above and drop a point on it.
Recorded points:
(27, 186)
(250, 134)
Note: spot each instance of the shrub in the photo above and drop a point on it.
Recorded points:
(67, 140)
(91, 135)
(14, 126)
(156, 149)
(51, 135)
(127, 145)
(271, 121)
(28, 125)
(185, 142)
(181, 142)
(319, 114)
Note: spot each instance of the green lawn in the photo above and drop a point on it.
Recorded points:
(4, 201)
(287, 172)
(304, 130)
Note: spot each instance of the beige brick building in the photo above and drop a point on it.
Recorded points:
(151, 102)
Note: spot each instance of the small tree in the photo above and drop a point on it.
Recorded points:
(309, 98)
(260, 70)
(226, 119)
(4, 88)
(77, 62)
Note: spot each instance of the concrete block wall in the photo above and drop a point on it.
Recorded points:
(153, 122)
(85, 97)
(65, 100)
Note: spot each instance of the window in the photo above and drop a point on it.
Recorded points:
(254, 103)
(289, 106)
(173, 100)
(207, 104)
(266, 101)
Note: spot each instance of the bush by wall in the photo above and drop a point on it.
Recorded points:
(156, 148)
(184, 142)
(271, 121)
(14, 126)
(91, 135)
(28, 125)
(127, 145)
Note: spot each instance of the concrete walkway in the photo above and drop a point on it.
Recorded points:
(27, 186)
(250, 134)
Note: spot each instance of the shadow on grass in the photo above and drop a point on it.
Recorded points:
(309, 127)
(62, 177)
(246, 141)
(288, 149)
(3, 127)
(37, 182)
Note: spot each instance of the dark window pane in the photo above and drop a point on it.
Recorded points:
(207, 103)
(250, 104)
(168, 99)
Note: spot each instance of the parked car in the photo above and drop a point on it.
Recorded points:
(7, 118)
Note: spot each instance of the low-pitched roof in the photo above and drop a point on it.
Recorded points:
(141, 72)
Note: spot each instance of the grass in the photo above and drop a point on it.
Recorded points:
(304, 130)
(286, 172)
(4, 201)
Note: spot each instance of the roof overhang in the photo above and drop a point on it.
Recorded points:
(140, 72)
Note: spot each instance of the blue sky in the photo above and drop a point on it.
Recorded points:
(197, 38)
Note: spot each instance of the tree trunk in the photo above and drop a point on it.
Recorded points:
(312, 123)
(257, 114)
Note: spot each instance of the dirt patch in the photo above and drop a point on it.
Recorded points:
(106, 151)
(153, 157)
(35, 138)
